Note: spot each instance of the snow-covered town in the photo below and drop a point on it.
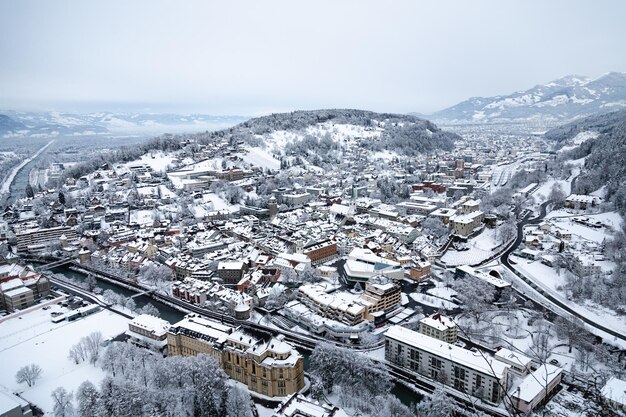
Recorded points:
(312, 263)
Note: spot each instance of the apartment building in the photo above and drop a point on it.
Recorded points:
(439, 327)
(20, 287)
(267, 365)
(338, 306)
(420, 270)
(380, 296)
(231, 272)
(36, 240)
(473, 373)
(321, 252)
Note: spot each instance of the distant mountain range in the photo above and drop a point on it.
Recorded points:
(16, 124)
(561, 100)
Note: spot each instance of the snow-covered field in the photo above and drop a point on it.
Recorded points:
(480, 248)
(261, 158)
(431, 301)
(33, 338)
(158, 161)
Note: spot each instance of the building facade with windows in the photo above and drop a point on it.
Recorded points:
(271, 367)
(267, 365)
(472, 373)
(440, 327)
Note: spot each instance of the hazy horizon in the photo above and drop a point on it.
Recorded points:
(253, 58)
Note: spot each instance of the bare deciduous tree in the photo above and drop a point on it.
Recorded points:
(29, 374)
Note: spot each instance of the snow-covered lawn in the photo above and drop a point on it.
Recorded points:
(433, 301)
(546, 274)
(218, 202)
(33, 338)
(261, 158)
(480, 248)
(442, 291)
(158, 161)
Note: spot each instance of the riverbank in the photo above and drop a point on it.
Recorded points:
(6, 184)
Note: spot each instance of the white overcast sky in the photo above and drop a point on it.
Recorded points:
(256, 57)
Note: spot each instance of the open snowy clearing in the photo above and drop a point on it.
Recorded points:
(261, 158)
(33, 338)
(158, 161)
(480, 248)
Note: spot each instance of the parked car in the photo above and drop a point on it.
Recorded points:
(554, 362)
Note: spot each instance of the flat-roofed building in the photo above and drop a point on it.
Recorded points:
(362, 264)
(36, 240)
(340, 306)
(380, 295)
(537, 388)
(518, 362)
(13, 406)
(476, 374)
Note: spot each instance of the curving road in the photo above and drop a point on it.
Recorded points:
(504, 259)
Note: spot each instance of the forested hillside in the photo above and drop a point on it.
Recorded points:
(605, 164)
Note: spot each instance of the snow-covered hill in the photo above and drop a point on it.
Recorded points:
(560, 100)
(15, 124)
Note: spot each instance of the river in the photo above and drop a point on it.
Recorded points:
(404, 394)
(168, 313)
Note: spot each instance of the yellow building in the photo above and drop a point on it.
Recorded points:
(267, 365)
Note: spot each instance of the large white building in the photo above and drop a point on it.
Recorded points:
(362, 264)
(476, 374)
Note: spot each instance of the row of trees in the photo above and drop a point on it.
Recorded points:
(112, 297)
(364, 385)
(87, 349)
(141, 383)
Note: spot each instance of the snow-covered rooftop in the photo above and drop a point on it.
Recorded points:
(615, 390)
(536, 382)
(479, 362)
